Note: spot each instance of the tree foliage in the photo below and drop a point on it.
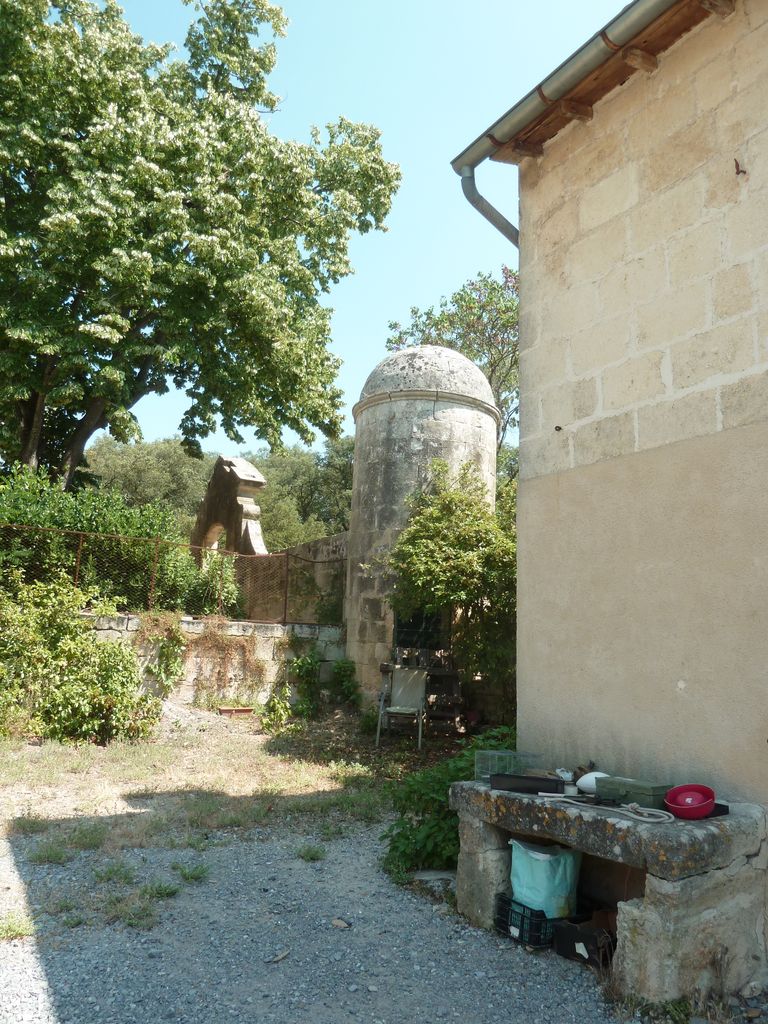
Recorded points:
(308, 494)
(480, 321)
(152, 471)
(153, 230)
(133, 555)
(456, 553)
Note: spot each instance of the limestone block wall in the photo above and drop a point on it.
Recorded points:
(644, 258)
(228, 660)
(643, 508)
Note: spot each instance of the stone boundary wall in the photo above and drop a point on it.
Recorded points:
(228, 660)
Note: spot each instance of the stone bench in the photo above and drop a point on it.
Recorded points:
(699, 923)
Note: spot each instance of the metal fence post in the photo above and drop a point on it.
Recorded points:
(77, 559)
(285, 592)
(153, 576)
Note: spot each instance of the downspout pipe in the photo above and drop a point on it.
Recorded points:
(481, 204)
(619, 32)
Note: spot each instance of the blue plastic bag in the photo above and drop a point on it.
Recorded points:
(545, 877)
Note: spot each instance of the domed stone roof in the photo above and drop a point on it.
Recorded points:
(428, 368)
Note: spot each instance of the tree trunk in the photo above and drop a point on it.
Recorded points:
(31, 429)
(93, 420)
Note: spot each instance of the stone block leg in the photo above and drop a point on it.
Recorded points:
(483, 870)
(698, 935)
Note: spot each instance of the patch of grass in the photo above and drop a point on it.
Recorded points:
(188, 840)
(50, 852)
(73, 920)
(192, 872)
(88, 837)
(159, 890)
(134, 910)
(61, 906)
(352, 773)
(331, 830)
(28, 825)
(325, 770)
(311, 853)
(115, 871)
(15, 926)
(214, 811)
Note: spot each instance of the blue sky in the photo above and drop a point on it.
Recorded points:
(432, 75)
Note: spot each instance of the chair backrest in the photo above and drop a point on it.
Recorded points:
(408, 687)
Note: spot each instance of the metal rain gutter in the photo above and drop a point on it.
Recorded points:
(636, 17)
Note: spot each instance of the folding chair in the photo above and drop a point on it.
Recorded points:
(402, 698)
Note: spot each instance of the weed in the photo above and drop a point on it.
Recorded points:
(214, 811)
(191, 841)
(50, 852)
(192, 872)
(331, 830)
(16, 926)
(311, 853)
(88, 837)
(28, 825)
(134, 910)
(159, 890)
(61, 906)
(115, 871)
(368, 721)
(73, 920)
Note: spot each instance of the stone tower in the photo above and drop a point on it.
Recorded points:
(419, 404)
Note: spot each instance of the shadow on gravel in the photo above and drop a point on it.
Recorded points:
(113, 879)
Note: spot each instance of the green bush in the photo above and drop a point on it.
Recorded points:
(133, 554)
(458, 556)
(57, 680)
(343, 687)
(369, 720)
(306, 670)
(426, 833)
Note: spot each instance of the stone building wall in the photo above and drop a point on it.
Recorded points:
(228, 659)
(642, 508)
(644, 267)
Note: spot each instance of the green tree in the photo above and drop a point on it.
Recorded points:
(152, 471)
(154, 232)
(308, 494)
(458, 554)
(480, 321)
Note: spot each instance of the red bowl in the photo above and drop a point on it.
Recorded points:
(690, 801)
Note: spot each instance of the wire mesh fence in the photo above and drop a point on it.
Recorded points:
(150, 573)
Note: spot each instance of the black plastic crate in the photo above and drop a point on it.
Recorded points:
(524, 925)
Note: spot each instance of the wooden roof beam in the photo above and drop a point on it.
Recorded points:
(574, 111)
(721, 7)
(513, 152)
(639, 59)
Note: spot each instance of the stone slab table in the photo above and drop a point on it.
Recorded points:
(700, 926)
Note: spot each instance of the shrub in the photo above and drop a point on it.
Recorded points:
(369, 720)
(131, 553)
(426, 833)
(457, 555)
(343, 687)
(57, 679)
(306, 669)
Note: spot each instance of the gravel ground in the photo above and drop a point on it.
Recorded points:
(256, 941)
